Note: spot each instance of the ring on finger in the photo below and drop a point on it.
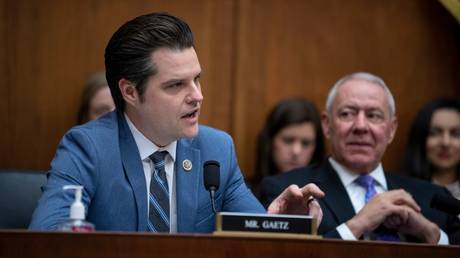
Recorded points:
(310, 199)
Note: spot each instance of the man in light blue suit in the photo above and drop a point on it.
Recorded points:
(153, 74)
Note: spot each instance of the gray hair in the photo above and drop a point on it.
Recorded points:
(361, 76)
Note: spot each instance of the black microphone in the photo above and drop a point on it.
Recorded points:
(211, 170)
(446, 203)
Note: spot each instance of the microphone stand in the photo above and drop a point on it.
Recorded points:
(212, 191)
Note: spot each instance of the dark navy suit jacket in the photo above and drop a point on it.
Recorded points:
(337, 207)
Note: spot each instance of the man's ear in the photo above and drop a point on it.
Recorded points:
(393, 127)
(128, 91)
(325, 123)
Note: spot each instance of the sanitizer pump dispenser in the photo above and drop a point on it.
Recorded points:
(76, 221)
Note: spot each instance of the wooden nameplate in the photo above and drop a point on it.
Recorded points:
(253, 224)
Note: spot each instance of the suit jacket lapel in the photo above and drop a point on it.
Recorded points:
(336, 199)
(134, 171)
(187, 185)
(391, 183)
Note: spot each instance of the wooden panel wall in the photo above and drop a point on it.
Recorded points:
(52, 47)
(300, 48)
(253, 53)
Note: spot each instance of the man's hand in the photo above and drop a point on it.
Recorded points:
(394, 205)
(415, 225)
(295, 200)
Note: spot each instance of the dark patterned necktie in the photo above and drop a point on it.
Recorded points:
(382, 234)
(159, 195)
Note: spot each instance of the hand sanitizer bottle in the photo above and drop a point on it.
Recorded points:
(76, 222)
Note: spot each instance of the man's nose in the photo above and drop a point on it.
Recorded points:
(195, 95)
(361, 124)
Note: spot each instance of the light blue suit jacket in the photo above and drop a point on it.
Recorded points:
(103, 157)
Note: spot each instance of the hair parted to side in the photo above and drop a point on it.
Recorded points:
(365, 77)
(129, 51)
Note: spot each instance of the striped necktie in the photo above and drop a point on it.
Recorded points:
(159, 195)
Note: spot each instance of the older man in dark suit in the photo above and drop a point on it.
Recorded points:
(363, 201)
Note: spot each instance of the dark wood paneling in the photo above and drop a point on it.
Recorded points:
(253, 54)
(4, 86)
(291, 48)
(52, 47)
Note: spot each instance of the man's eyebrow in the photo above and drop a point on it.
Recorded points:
(172, 81)
(372, 109)
(176, 80)
(353, 107)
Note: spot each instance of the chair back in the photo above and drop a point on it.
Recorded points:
(19, 194)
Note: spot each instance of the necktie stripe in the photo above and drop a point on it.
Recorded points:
(159, 209)
(161, 183)
(151, 227)
(159, 193)
(159, 165)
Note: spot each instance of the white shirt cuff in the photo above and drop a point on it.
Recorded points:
(443, 238)
(345, 233)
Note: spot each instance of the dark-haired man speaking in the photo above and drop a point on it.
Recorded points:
(141, 165)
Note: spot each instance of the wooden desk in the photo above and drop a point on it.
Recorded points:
(104, 244)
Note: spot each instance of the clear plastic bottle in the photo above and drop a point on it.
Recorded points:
(76, 221)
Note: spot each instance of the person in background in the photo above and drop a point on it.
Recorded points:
(363, 200)
(96, 99)
(433, 149)
(291, 138)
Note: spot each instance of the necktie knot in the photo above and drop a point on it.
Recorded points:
(368, 183)
(158, 157)
(365, 181)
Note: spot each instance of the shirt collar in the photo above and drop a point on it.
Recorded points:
(348, 177)
(147, 147)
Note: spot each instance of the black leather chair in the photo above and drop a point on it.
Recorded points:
(19, 194)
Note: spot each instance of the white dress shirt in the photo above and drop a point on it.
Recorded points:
(357, 193)
(147, 148)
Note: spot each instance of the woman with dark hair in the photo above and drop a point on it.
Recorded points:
(433, 150)
(96, 99)
(292, 138)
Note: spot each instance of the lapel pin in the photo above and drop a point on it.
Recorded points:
(187, 165)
